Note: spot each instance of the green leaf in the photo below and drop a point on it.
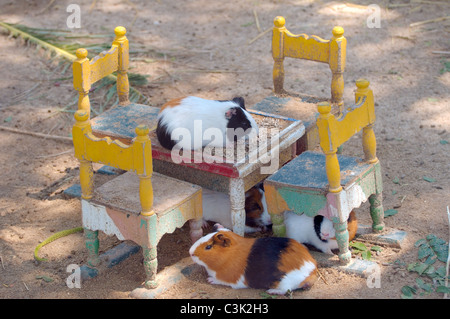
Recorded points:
(446, 68)
(444, 142)
(429, 179)
(424, 251)
(358, 245)
(430, 271)
(265, 295)
(247, 24)
(420, 242)
(412, 266)
(390, 212)
(8, 119)
(440, 272)
(423, 285)
(375, 248)
(400, 263)
(430, 260)
(396, 181)
(442, 254)
(435, 241)
(407, 292)
(45, 278)
(366, 255)
(420, 268)
(443, 289)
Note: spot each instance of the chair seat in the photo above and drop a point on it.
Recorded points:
(292, 106)
(297, 107)
(301, 185)
(308, 171)
(120, 122)
(115, 208)
(122, 193)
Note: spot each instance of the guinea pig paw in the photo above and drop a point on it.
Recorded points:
(276, 292)
(213, 281)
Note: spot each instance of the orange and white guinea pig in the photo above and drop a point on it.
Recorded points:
(192, 122)
(217, 208)
(273, 263)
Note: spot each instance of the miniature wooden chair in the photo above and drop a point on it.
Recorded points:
(326, 184)
(137, 205)
(120, 119)
(302, 106)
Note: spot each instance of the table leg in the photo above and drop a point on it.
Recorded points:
(237, 198)
(196, 230)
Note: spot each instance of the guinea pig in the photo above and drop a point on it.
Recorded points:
(317, 231)
(192, 122)
(273, 263)
(217, 208)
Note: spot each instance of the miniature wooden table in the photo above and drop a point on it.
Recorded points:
(212, 172)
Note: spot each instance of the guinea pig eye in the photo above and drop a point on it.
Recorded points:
(208, 247)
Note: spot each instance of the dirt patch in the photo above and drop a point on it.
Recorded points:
(202, 48)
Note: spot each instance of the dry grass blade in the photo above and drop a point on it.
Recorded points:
(416, 24)
(42, 38)
(55, 137)
(259, 35)
(256, 20)
(26, 36)
(24, 94)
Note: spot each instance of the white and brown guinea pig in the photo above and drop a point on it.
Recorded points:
(273, 263)
(317, 231)
(225, 117)
(217, 208)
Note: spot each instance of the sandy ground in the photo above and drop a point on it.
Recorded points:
(202, 48)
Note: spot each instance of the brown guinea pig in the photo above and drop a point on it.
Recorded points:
(274, 263)
(217, 208)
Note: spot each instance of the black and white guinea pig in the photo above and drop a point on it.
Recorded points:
(317, 231)
(273, 263)
(217, 208)
(196, 115)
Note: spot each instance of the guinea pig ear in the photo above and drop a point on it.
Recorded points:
(222, 240)
(239, 100)
(229, 114)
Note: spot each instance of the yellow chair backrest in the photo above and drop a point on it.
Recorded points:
(136, 157)
(86, 72)
(332, 52)
(336, 130)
